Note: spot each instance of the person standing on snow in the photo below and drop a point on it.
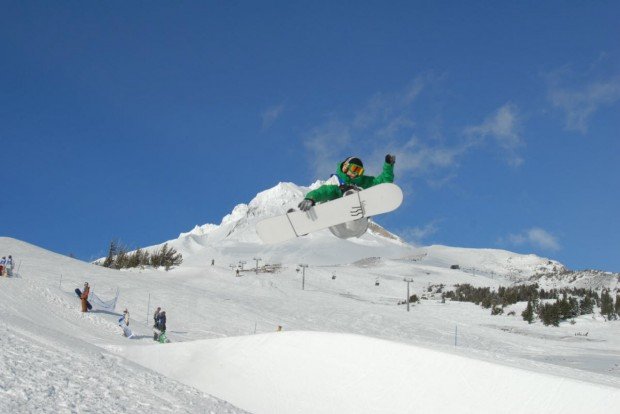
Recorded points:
(2, 265)
(162, 321)
(84, 297)
(9, 266)
(349, 174)
(161, 336)
(156, 316)
(123, 322)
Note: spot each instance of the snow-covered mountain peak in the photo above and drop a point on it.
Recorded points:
(240, 211)
(267, 203)
(276, 200)
(235, 237)
(236, 233)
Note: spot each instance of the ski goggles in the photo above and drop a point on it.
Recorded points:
(355, 169)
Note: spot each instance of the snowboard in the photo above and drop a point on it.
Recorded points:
(379, 199)
(162, 338)
(78, 292)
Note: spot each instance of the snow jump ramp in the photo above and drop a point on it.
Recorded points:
(317, 372)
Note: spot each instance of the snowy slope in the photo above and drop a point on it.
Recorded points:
(494, 262)
(51, 359)
(347, 345)
(316, 372)
(328, 359)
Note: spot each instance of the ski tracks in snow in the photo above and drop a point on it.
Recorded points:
(53, 377)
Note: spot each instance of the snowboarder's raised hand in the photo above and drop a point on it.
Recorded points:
(390, 159)
(306, 204)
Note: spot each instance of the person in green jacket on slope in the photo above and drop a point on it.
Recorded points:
(349, 174)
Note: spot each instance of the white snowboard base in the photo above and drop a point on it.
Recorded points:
(379, 199)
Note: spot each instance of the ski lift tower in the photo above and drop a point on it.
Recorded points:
(303, 276)
(257, 259)
(410, 280)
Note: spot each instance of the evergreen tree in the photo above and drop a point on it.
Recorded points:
(497, 310)
(574, 307)
(109, 260)
(586, 305)
(171, 258)
(564, 307)
(121, 260)
(133, 260)
(167, 257)
(607, 305)
(550, 314)
(528, 313)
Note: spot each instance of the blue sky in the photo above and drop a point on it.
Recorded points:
(139, 120)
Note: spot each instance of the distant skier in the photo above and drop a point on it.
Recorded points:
(160, 324)
(84, 297)
(123, 322)
(156, 316)
(349, 174)
(9, 266)
(161, 321)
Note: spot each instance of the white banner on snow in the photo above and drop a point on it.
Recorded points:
(100, 304)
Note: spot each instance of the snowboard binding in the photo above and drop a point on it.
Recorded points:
(354, 228)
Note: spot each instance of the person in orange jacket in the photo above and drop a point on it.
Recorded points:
(84, 297)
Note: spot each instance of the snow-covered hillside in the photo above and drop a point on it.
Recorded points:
(53, 357)
(225, 344)
(331, 338)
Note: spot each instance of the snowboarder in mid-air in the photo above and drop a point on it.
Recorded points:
(344, 204)
(349, 175)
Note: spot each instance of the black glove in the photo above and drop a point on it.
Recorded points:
(390, 159)
(306, 204)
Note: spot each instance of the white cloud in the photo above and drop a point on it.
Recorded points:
(503, 127)
(536, 237)
(387, 123)
(325, 144)
(394, 126)
(380, 126)
(417, 234)
(580, 103)
(419, 157)
(416, 88)
(271, 114)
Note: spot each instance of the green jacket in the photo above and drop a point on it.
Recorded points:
(331, 190)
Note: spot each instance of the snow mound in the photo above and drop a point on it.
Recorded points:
(286, 372)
